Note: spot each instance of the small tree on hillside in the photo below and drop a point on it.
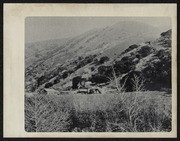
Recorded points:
(120, 87)
(138, 83)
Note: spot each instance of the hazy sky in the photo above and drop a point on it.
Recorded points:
(44, 28)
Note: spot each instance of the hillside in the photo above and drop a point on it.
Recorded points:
(56, 63)
(36, 51)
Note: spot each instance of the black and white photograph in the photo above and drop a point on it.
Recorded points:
(98, 74)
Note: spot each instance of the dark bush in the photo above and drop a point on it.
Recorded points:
(162, 53)
(80, 58)
(57, 80)
(89, 58)
(145, 51)
(131, 48)
(124, 66)
(126, 58)
(40, 80)
(92, 68)
(128, 80)
(75, 81)
(158, 74)
(97, 79)
(85, 61)
(105, 70)
(49, 75)
(71, 71)
(167, 33)
(82, 120)
(138, 56)
(103, 59)
(79, 65)
(48, 85)
(95, 61)
(65, 75)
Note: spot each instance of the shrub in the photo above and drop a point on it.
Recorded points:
(95, 61)
(167, 33)
(80, 58)
(85, 61)
(46, 114)
(65, 75)
(133, 46)
(105, 70)
(48, 85)
(92, 68)
(97, 79)
(145, 51)
(130, 48)
(124, 66)
(138, 83)
(75, 81)
(158, 73)
(128, 79)
(103, 59)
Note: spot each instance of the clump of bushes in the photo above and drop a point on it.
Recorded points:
(82, 62)
(130, 48)
(124, 65)
(101, 60)
(145, 51)
(49, 75)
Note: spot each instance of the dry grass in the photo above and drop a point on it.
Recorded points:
(46, 113)
(99, 113)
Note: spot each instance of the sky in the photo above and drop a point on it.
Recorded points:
(45, 28)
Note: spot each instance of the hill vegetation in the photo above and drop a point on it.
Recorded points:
(151, 60)
(116, 79)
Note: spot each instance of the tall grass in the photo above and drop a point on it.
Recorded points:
(113, 115)
(138, 111)
(98, 113)
(46, 113)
